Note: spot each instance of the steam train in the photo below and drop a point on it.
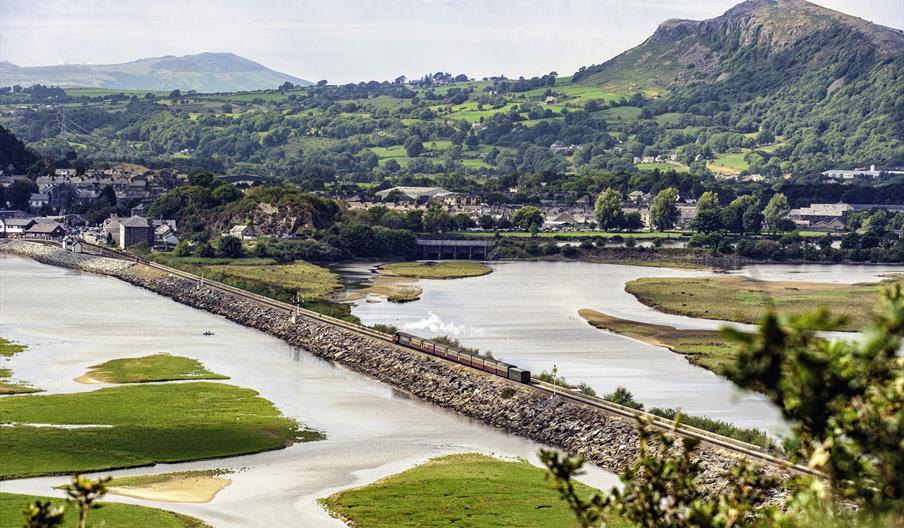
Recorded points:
(499, 368)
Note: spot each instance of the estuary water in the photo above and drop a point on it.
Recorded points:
(526, 313)
(72, 320)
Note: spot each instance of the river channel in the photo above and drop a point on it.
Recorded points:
(526, 314)
(72, 320)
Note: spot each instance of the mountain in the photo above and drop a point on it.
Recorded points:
(828, 83)
(204, 72)
(681, 51)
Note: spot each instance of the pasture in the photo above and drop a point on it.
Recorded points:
(467, 490)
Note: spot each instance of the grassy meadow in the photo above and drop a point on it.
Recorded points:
(742, 300)
(138, 425)
(310, 281)
(264, 276)
(157, 367)
(438, 270)
(705, 348)
(109, 514)
(469, 491)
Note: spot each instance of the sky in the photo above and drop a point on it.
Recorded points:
(356, 40)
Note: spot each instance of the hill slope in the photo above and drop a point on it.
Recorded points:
(829, 83)
(204, 72)
(681, 51)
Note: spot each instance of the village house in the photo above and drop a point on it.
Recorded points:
(243, 232)
(15, 227)
(45, 231)
(462, 200)
(38, 201)
(127, 232)
(822, 217)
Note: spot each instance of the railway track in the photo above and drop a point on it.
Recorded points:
(706, 437)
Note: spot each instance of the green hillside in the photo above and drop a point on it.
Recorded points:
(783, 89)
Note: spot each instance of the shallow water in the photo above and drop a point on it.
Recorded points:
(73, 320)
(526, 313)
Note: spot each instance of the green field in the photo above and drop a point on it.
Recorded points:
(158, 367)
(8, 349)
(622, 113)
(438, 270)
(138, 425)
(310, 281)
(469, 491)
(660, 166)
(110, 514)
(731, 163)
(170, 260)
(705, 348)
(744, 301)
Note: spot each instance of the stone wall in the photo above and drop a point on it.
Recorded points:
(608, 441)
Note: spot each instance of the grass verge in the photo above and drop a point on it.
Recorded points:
(438, 270)
(137, 425)
(157, 367)
(469, 490)
(743, 300)
(110, 514)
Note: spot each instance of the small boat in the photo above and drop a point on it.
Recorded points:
(208, 333)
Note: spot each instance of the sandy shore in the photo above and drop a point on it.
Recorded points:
(88, 380)
(178, 488)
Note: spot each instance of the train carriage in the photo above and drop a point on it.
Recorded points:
(492, 366)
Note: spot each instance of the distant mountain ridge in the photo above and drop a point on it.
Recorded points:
(203, 72)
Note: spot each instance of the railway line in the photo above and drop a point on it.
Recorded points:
(731, 445)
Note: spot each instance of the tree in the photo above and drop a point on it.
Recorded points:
(84, 493)
(743, 215)
(463, 222)
(436, 219)
(633, 222)
(526, 217)
(708, 217)
(19, 192)
(486, 222)
(182, 249)
(107, 196)
(775, 211)
(608, 210)
(663, 211)
(414, 147)
(845, 400)
(230, 247)
(660, 489)
(44, 514)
